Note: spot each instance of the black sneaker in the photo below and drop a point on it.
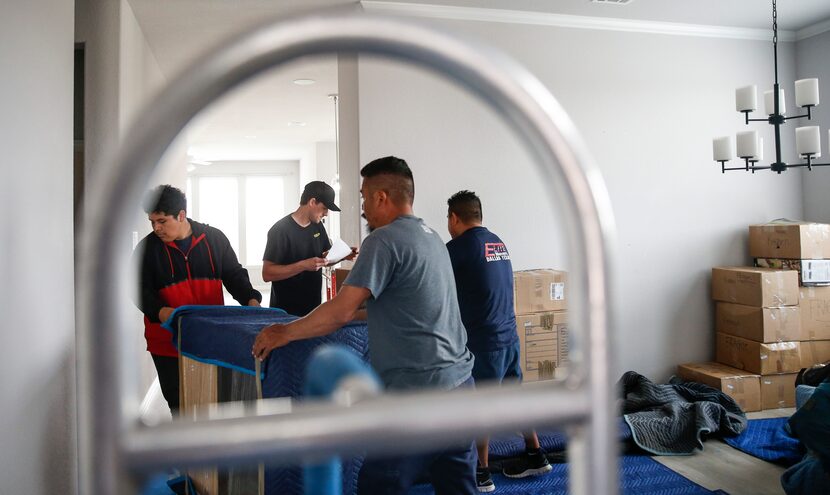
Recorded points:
(484, 483)
(528, 465)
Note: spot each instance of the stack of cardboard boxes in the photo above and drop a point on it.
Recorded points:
(540, 304)
(770, 320)
(805, 248)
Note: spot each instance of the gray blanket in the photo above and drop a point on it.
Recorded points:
(671, 419)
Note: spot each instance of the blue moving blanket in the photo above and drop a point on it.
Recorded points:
(767, 439)
(640, 475)
(507, 447)
(224, 336)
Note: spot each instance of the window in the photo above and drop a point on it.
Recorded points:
(218, 205)
(264, 204)
(243, 200)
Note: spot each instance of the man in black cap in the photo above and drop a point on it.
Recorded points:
(296, 249)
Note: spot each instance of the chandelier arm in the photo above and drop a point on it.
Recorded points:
(808, 164)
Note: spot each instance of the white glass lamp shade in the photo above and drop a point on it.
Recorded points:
(746, 99)
(747, 144)
(722, 149)
(759, 154)
(769, 104)
(806, 92)
(808, 141)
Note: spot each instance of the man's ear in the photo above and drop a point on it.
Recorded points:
(381, 196)
(182, 216)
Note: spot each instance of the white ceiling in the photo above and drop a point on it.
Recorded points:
(253, 122)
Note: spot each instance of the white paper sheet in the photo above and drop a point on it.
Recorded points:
(338, 251)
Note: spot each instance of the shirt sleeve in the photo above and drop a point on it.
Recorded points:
(147, 300)
(274, 245)
(374, 267)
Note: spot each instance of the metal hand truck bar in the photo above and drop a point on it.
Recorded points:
(114, 446)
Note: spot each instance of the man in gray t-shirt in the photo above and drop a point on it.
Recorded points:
(416, 336)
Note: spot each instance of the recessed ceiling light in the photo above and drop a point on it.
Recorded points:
(304, 82)
(296, 123)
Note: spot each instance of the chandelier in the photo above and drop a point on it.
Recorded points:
(750, 147)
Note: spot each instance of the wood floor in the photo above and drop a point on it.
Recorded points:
(722, 467)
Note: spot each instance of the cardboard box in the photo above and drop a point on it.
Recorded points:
(744, 387)
(815, 313)
(340, 275)
(760, 324)
(811, 273)
(778, 391)
(539, 290)
(562, 359)
(789, 239)
(760, 287)
(539, 337)
(757, 357)
(815, 352)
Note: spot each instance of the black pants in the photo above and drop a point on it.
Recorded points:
(168, 370)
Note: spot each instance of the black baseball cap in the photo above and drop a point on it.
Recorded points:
(320, 191)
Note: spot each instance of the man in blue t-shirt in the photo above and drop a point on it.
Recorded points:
(416, 336)
(484, 281)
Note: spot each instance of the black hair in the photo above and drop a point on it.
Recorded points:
(466, 205)
(398, 183)
(165, 199)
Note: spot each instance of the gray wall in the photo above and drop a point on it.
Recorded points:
(811, 61)
(37, 360)
(648, 106)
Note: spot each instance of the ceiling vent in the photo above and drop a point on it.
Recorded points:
(613, 2)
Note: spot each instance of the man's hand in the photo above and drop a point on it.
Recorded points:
(164, 313)
(352, 256)
(254, 303)
(313, 264)
(269, 338)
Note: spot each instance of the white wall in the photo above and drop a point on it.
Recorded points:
(37, 359)
(648, 106)
(122, 76)
(139, 78)
(811, 61)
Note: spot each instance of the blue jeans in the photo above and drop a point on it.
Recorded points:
(452, 471)
(499, 365)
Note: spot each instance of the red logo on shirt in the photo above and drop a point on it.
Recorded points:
(495, 251)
